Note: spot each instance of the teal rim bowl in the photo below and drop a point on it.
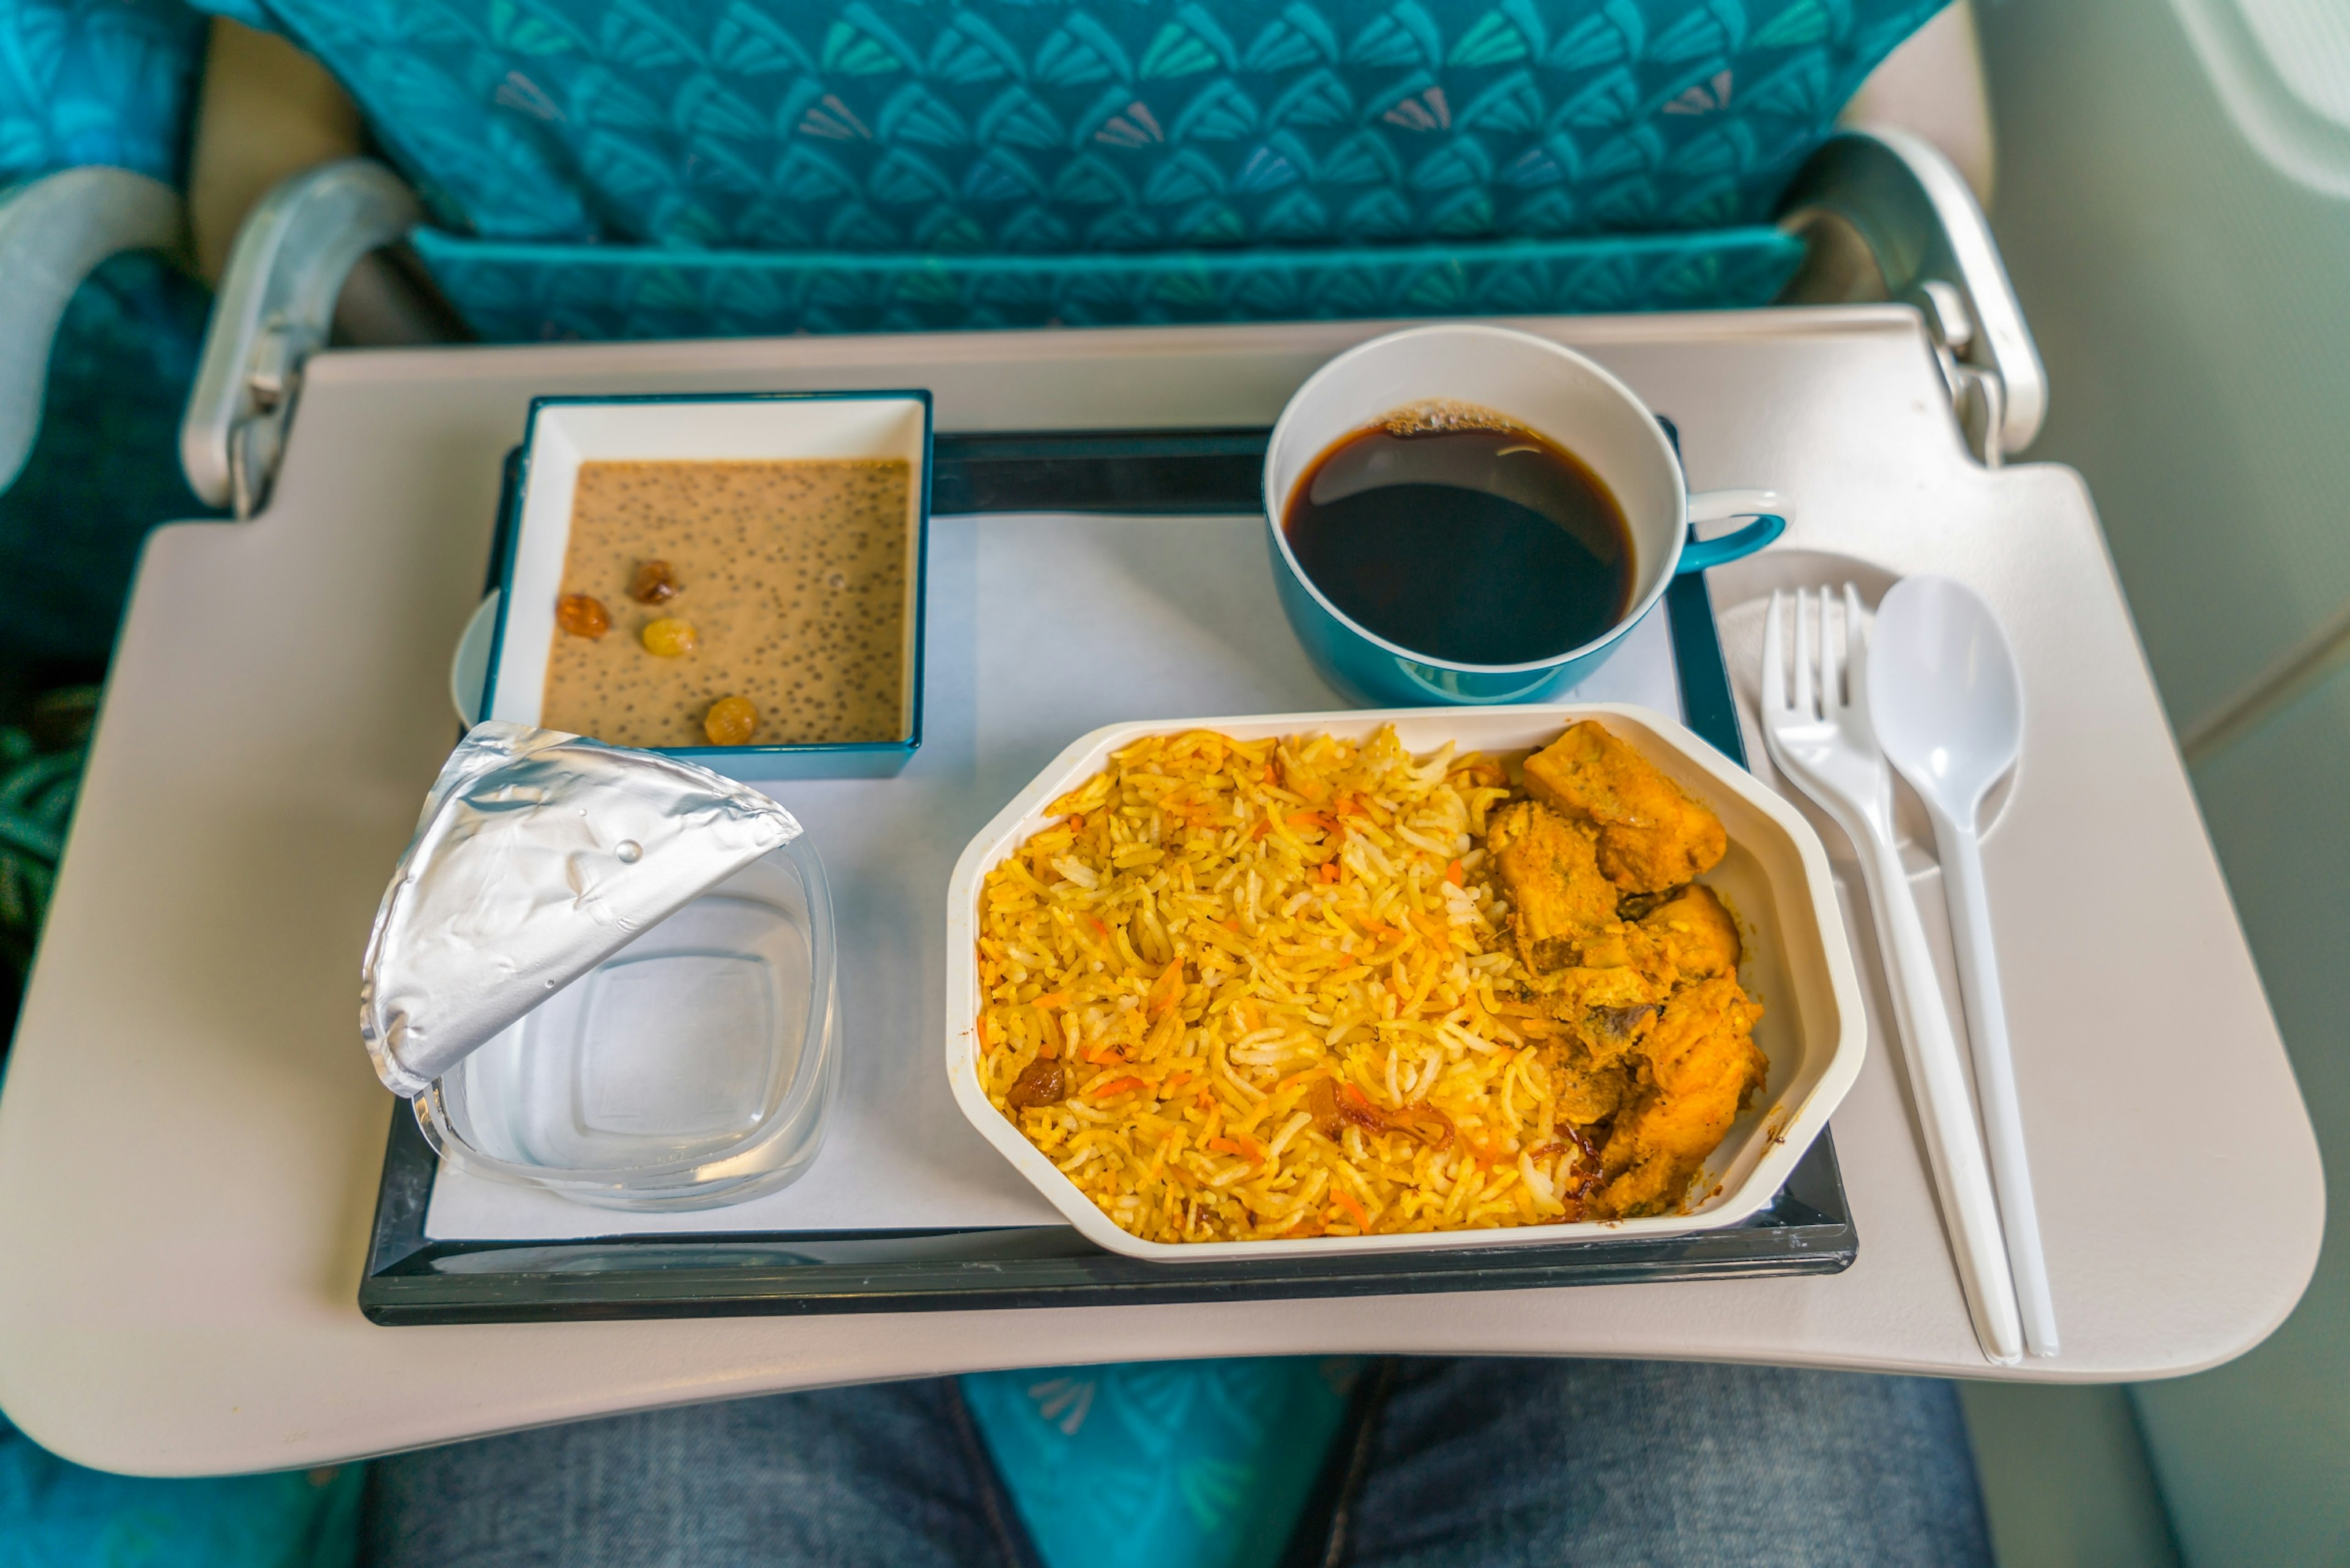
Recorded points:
(1548, 389)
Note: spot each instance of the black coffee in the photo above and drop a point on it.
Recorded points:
(1467, 542)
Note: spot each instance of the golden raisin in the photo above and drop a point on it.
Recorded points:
(582, 615)
(654, 584)
(731, 721)
(668, 637)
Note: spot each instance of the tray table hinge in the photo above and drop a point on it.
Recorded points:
(274, 311)
(1977, 393)
(1885, 216)
(258, 440)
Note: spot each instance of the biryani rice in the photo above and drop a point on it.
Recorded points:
(1255, 984)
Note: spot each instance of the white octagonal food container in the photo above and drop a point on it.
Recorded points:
(1774, 879)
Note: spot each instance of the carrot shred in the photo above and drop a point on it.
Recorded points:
(1355, 1210)
(1115, 1086)
(1165, 992)
(1455, 875)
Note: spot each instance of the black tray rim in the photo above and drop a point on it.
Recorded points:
(409, 1279)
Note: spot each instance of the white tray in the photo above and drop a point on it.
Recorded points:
(1087, 621)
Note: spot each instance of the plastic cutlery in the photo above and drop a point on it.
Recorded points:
(1819, 731)
(1949, 711)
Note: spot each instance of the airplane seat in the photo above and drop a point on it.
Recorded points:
(603, 168)
(610, 168)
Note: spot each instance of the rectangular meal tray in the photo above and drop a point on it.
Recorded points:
(412, 1278)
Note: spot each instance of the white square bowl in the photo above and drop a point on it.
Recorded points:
(717, 427)
(1774, 879)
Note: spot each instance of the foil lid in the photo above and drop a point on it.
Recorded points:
(539, 855)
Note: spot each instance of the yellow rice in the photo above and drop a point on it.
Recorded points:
(1215, 927)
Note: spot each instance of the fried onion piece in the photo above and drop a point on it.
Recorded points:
(1335, 1107)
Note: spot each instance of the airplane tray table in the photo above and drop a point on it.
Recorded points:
(192, 1141)
(449, 1248)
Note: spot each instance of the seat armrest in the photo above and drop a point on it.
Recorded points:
(275, 304)
(54, 231)
(1885, 216)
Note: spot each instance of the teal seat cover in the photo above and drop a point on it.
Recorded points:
(98, 82)
(105, 463)
(512, 291)
(54, 1514)
(1178, 1464)
(1142, 160)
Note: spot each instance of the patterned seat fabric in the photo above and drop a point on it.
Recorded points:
(1166, 1464)
(98, 82)
(604, 168)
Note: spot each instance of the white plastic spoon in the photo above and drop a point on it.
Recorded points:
(1949, 712)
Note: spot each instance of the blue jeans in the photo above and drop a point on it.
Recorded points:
(1463, 1463)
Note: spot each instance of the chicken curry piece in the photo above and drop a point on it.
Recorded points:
(1647, 834)
(1632, 965)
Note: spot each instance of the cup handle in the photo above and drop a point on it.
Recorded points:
(1767, 507)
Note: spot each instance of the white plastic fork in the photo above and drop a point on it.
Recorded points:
(1819, 735)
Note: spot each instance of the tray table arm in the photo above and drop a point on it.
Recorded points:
(275, 306)
(1885, 216)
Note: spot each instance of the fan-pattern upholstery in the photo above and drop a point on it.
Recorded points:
(619, 168)
(96, 81)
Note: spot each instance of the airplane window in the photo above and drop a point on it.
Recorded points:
(2283, 69)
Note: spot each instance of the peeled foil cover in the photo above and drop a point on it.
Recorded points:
(539, 855)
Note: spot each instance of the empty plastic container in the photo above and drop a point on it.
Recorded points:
(607, 973)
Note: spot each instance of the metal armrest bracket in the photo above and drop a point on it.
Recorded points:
(53, 231)
(274, 311)
(1887, 217)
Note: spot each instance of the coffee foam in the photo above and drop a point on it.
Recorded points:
(1436, 416)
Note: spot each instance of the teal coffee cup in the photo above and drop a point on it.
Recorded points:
(1532, 384)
